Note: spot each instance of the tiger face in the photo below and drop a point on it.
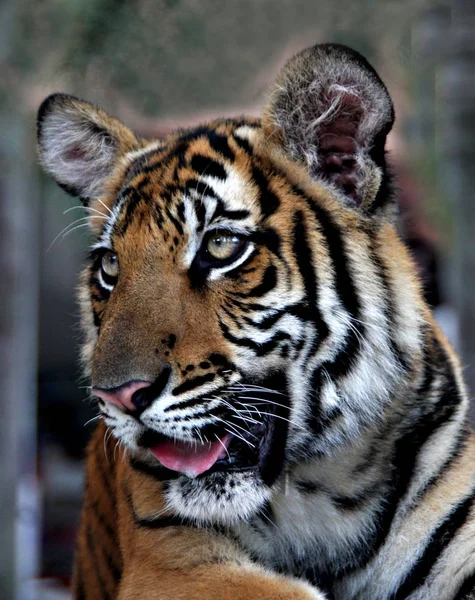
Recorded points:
(221, 302)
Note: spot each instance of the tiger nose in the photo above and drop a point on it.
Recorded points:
(129, 396)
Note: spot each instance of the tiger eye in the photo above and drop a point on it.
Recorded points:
(222, 246)
(110, 264)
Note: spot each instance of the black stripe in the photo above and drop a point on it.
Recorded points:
(268, 283)
(219, 143)
(180, 209)
(192, 384)
(172, 521)
(347, 293)
(200, 210)
(104, 477)
(178, 225)
(97, 318)
(253, 306)
(428, 380)
(455, 452)
(334, 241)
(440, 539)
(219, 360)
(133, 199)
(243, 144)
(208, 167)
(114, 570)
(141, 162)
(259, 349)
(389, 308)
(269, 202)
(404, 464)
(95, 509)
(92, 547)
(467, 588)
(233, 317)
(220, 211)
(202, 189)
(309, 308)
(269, 238)
(196, 400)
(271, 467)
(355, 502)
(267, 322)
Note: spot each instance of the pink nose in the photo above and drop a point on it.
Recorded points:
(124, 396)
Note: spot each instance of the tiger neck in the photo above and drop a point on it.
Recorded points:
(335, 510)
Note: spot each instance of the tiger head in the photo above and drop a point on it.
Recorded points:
(242, 304)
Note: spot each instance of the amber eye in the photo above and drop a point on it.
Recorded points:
(224, 246)
(110, 264)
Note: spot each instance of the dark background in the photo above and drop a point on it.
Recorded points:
(156, 64)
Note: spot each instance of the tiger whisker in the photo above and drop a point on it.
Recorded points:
(233, 433)
(105, 206)
(67, 230)
(107, 431)
(243, 429)
(283, 419)
(88, 208)
(236, 434)
(262, 401)
(91, 420)
(115, 448)
(254, 388)
(237, 411)
(227, 452)
(248, 410)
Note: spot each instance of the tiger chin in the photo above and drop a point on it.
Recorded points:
(291, 422)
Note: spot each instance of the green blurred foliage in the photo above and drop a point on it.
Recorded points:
(178, 56)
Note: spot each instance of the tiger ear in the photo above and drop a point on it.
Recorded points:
(79, 144)
(330, 111)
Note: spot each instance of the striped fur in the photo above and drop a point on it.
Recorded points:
(351, 465)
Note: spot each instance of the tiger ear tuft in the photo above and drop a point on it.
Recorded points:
(79, 144)
(330, 111)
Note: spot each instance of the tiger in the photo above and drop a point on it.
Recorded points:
(282, 418)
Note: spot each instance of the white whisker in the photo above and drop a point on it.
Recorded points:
(262, 401)
(236, 434)
(283, 419)
(227, 452)
(91, 420)
(69, 228)
(105, 206)
(87, 208)
(253, 388)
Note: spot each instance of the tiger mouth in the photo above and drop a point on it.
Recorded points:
(256, 442)
(228, 451)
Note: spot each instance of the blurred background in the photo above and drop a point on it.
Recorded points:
(156, 64)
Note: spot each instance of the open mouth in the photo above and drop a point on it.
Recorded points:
(228, 451)
(255, 441)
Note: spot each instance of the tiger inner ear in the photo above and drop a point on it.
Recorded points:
(338, 148)
(331, 112)
(80, 145)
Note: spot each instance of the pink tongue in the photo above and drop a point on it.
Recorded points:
(190, 458)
